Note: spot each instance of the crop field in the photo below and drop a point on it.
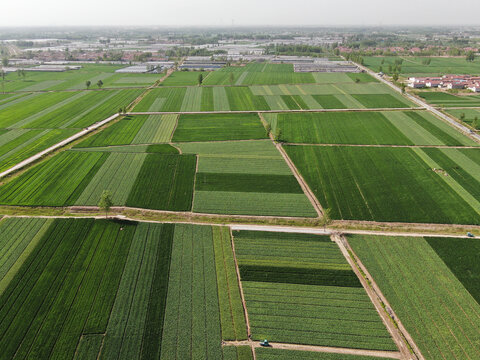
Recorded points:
(273, 97)
(75, 79)
(370, 128)
(277, 354)
(184, 78)
(83, 289)
(233, 176)
(447, 100)
(42, 120)
(432, 285)
(405, 187)
(471, 116)
(134, 130)
(303, 291)
(412, 65)
(80, 177)
(219, 127)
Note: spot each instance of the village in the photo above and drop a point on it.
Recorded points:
(448, 82)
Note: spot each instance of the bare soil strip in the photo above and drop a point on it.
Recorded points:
(400, 335)
(314, 348)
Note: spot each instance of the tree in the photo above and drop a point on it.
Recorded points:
(99, 84)
(24, 74)
(470, 56)
(326, 218)
(88, 83)
(357, 80)
(475, 122)
(105, 202)
(200, 79)
(231, 78)
(462, 116)
(403, 88)
(5, 62)
(395, 77)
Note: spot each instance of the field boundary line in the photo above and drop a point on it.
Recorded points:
(273, 111)
(387, 146)
(305, 188)
(317, 348)
(242, 294)
(400, 335)
(62, 143)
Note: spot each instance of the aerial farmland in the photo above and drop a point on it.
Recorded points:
(163, 201)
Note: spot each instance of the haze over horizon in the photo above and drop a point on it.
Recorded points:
(240, 13)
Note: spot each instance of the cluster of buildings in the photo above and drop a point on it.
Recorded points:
(446, 82)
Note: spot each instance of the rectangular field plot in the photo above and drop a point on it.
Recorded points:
(245, 178)
(381, 184)
(469, 116)
(88, 289)
(369, 128)
(184, 78)
(304, 292)
(74, 288)
(218, 127)
(450, 100)
(432, 285)
(278, 354)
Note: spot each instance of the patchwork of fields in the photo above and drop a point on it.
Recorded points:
(117, 289)
(57, 278)
(432, 284)
(303, 291)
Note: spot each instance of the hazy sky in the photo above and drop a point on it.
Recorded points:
(241, 12)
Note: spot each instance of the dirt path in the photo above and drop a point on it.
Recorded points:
(273, 111)
(400, 335)
(315, 348)
(305, 188)
(388, 146)
(397, 336)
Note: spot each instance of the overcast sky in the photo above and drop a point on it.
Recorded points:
(240, 12)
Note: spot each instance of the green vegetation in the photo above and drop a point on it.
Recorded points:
(302, 290)
(450, 100)
(165, 182)
(379, 101)
(183, 78)
(230, 304)
(411, 65)
(277, 354)
(383, 184)
(192, 315)
(218, 127)
(460, 255)
(436, 309)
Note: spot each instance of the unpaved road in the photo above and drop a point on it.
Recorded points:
(314, 348)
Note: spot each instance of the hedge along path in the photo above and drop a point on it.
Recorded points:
(313, 200)
(400, 335)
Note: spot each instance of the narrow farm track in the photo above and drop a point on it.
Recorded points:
(323, 349)
(272, 111)
(400, 336)
(388, 146)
